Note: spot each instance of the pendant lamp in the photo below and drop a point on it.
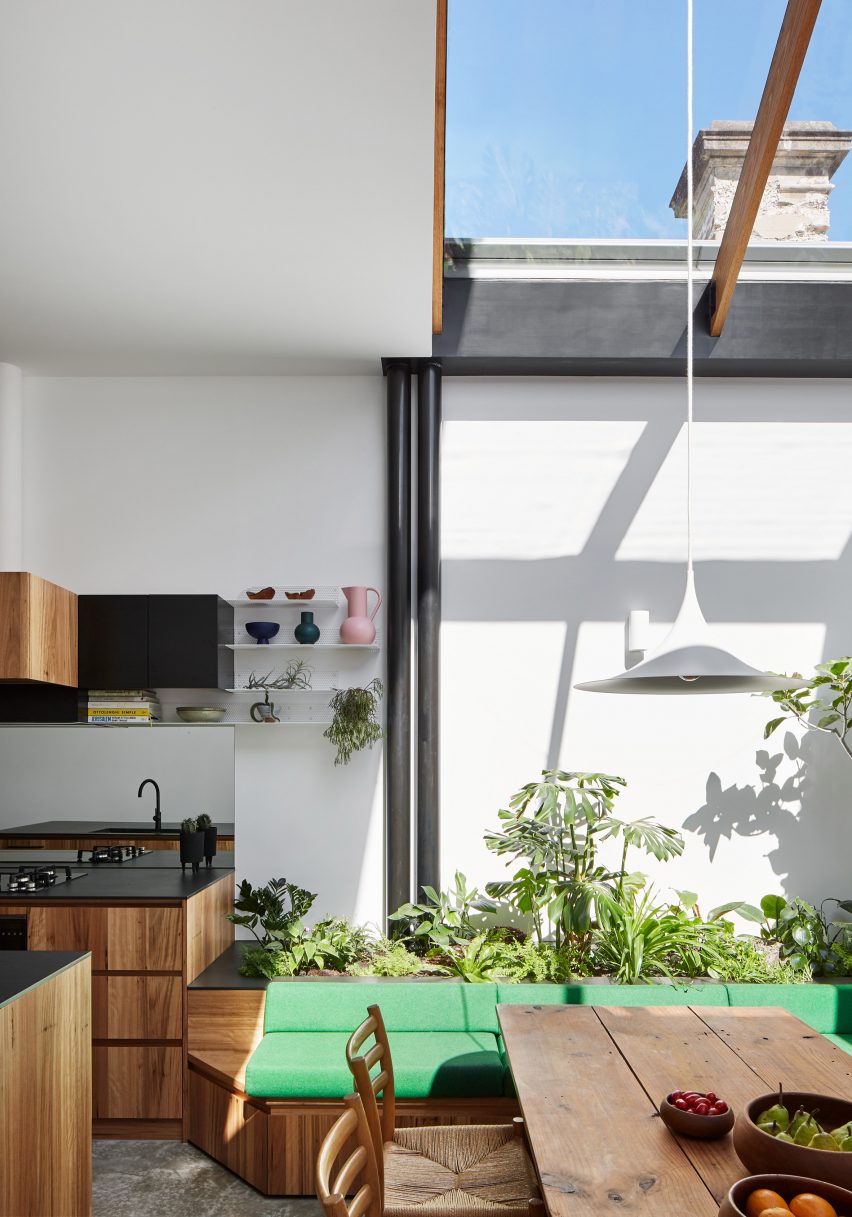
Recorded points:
(688, 660)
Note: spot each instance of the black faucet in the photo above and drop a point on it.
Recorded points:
(158, 819)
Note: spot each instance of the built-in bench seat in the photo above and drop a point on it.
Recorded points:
(266, 1084)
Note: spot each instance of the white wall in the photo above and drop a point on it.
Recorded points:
(230, 482)
(563, 509)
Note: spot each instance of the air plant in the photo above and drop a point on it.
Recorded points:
(297, 675)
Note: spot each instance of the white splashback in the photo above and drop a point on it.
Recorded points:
(58, 773)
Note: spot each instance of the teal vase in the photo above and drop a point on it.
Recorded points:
(306, 632)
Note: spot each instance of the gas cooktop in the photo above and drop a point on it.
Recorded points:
(21, 880)
(110, 853)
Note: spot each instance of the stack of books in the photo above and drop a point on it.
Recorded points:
(128, 707)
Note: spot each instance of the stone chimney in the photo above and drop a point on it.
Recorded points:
(795, 203)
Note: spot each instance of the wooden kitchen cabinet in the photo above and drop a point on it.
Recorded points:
(137, 1007)
(137, 1083)
(38, 631)
(54, 928)
(145, 939)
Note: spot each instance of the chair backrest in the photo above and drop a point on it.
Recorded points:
(369, 1087)
(357, 1175)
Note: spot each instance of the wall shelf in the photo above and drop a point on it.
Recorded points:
(260, 648)
(308, 605)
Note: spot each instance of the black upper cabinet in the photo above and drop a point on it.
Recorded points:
(184, 637)
(156, 642)
(113, 642)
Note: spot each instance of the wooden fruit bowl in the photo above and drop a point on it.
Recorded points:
(759, 1151)
(788, 1186)
(688, 1124)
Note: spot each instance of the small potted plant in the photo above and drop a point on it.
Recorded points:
(206, 825)
(191, 844)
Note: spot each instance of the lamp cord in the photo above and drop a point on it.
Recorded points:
(689, 283)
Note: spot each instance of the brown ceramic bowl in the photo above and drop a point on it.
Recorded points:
(788, 1186)
(306, 595)
(759, 1151)
(688, 1124)
(263, 593)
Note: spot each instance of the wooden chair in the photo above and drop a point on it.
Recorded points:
(457, 1170)
(358, 1176)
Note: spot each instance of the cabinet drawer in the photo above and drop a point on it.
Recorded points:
(131, 1083)
(69, 929)
(145, 940)
(137, 1007)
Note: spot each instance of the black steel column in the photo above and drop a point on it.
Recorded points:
(398, 741)
(428, 856)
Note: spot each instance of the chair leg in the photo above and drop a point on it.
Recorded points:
(535, 1207)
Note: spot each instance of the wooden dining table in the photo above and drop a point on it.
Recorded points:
(589, 1081)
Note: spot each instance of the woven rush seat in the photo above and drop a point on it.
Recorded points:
(457, 1169)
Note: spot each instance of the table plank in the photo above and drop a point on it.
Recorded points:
(597, 1140)
(781, 1048)
(671, 1048)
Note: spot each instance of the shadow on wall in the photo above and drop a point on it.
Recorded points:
(786, 570)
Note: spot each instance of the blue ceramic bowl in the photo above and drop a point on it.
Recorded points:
(262, 631)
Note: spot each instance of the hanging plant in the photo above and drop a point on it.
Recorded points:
(354, 725)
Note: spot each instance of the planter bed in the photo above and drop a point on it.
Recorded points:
(267, 1067)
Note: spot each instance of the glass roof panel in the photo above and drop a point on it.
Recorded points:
(566, 118)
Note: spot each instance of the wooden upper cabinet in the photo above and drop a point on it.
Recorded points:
(38, 631)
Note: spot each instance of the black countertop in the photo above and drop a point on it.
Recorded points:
(157, 859)
(21, 971)
(101, 828)
(118, 883)
(224, 972)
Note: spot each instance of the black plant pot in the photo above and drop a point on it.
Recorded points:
(192, 849)
(210, 835)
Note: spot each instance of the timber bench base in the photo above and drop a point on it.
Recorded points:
(273, 1143)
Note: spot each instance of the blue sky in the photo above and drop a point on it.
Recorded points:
(567, 117)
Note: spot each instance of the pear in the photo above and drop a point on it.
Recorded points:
(785, 1137)
(801, 1117)
(841, 1133)
(806, 1133)
(846, 1145)
(774, 1120)
(823, 1140)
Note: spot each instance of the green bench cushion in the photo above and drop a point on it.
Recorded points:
(327, 1005)
(823, 1007)
(312, 1064)
(614, 995)
(842, 1041)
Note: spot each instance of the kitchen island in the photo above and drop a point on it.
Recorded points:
(84, 834)
(150, 931)
(45, 1093)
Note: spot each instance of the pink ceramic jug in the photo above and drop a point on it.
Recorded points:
(358, 628)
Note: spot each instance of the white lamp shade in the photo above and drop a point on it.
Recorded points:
(688, 661)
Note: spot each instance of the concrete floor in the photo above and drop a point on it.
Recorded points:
(171, 1179)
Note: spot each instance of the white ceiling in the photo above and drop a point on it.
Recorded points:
(215, 186)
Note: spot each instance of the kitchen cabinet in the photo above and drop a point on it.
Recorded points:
(38, 631)
(143, 956)
(155, 642)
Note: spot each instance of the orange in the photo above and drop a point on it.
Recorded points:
(806, 1204)
(764, 1198)
(775, 1212)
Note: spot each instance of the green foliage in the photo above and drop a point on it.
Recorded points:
(278, 908)
(553, 828)
(807, 938)
(825, 704)
(740, 961)
(444, 918)
(540, 962)
(388, 957)
(333, 944)
(354, 725)
(475, 960)
(189, 825)
(638, 938)
(204, 821)
(297, 675)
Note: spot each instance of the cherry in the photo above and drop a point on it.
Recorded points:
(681, 1105)
(720, 1107)
(702, 1109)
(710, 1097)
(676, 1094)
